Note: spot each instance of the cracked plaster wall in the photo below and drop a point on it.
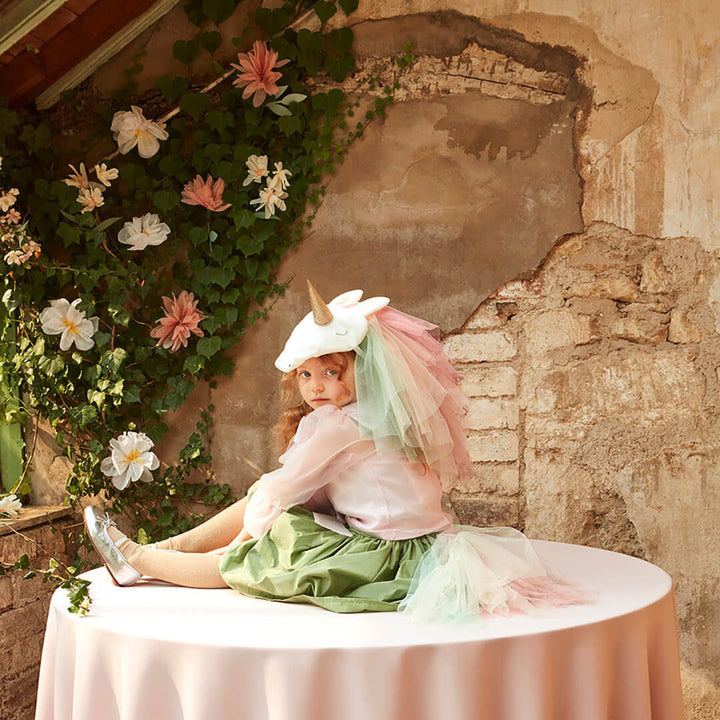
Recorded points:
(578, 138)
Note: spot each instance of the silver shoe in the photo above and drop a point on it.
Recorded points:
(121, 571)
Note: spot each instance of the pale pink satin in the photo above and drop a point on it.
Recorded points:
(382, 494)
(157, 651)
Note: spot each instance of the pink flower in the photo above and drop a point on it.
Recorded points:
(205, 193)
(12, 217)
(181, 318)
(256, 72)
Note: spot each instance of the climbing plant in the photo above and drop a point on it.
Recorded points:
(130, 272)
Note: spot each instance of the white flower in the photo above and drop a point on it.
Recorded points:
(270, 198)
(280, 177)
(133, 128)
(7, 199)
(79, 178)
(15, 257)
(140, 232)
(1, 162)
(105, 174)
(64, 319)
(130, 459)
(257, 169)
(9, 505)
(90, 198)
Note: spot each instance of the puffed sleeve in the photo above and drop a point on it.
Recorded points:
(321, 439)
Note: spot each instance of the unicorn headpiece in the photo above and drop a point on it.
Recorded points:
(339, 326)
(408, 394)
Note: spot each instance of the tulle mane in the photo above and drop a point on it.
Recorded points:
(409, 395)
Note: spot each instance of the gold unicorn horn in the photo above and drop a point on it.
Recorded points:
(321, 312)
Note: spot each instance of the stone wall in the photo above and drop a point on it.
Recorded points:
(24, 604)
(544, 189)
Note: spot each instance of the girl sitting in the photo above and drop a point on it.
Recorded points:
(352, 519)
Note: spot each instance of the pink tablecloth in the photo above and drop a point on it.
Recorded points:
(159, 652)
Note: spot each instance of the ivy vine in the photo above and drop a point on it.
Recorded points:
(227, 259)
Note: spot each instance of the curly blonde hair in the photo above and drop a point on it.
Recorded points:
(293, 411)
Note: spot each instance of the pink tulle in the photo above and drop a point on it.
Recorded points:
(432, 394)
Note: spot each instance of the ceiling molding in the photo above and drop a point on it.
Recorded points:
(20, 17)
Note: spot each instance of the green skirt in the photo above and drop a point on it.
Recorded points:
(298, 560)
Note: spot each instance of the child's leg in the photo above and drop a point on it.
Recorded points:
(197, 570)
(214, 533)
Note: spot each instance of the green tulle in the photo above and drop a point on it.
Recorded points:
(382, 410)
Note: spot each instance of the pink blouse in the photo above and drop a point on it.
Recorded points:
(329, 468)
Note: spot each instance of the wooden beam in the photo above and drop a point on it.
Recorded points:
(18, 18)
(99, 57)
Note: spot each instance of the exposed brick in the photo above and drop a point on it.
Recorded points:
(493, 346)
(18, 624)
(641, 325)
(681, 329)
(615, 287)
(6, 592)
(489, 381)
(655, 276)
(485, 511)
(491, 477)
(485, 318)
(556, 329)
(487, 413)
(494, 446)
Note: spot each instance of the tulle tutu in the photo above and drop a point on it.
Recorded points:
(409, 395)
(472, 571)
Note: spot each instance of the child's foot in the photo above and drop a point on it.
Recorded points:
(102, 532)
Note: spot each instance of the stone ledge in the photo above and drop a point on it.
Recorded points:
(34, 515)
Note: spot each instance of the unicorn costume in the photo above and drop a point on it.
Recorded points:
(352, 520)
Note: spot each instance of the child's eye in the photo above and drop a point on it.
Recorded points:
(331, 372)
(305, 374)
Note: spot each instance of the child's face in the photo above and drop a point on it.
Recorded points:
(320, 384)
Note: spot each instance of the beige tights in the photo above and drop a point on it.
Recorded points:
(190, 562)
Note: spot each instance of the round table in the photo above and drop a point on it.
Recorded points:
(159, 652)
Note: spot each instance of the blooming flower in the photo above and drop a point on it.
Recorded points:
(90, 198)
(9, 505)
(130, 459)
(29, 249)
(270, 199)
(7, 199)
(15, 257)
(181, 318)
(280, 177)
(257, 169)
(64, 319)
(133, 128)
(205, 193)
(140, 232)
(257, 74)
(78, 178)
(105, 174)
(13, 217)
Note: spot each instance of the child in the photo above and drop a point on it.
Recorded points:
(352, 520)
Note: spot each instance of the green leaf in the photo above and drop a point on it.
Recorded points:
(211, 40)
(105, 224)
(194, 364)
(219, 10)
(349, 6)
(341, 40)
(171, 86)
(194, 104)
(131, 394)
(324, 10)
(83, 415)
(165, 200)
(209, 346)
(278, 109)
(113, 359)
(186, 50)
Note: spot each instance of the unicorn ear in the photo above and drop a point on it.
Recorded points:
(372, 305)
(352, 297)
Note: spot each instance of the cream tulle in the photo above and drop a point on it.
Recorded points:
(409, 395)
(471, 571)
